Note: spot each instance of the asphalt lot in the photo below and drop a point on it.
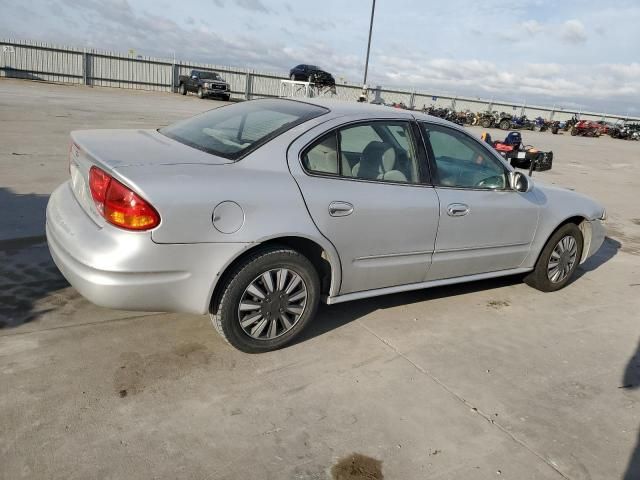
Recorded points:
(479, 381)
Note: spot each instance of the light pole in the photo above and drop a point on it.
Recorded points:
(366, 62)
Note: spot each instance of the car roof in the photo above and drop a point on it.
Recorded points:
(341, 108)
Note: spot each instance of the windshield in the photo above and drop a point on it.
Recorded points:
(210, 76)
(236, 130)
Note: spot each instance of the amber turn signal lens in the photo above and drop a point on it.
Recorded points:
(120, 205)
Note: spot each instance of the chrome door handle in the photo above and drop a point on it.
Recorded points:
(457, 210)
(340, 209)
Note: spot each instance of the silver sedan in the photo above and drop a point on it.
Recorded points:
(255, 212)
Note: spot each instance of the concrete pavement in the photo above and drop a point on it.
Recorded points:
(479, 381)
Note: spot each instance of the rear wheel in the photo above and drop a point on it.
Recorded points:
(558, 261)
(268, 300)
(505, 124)
(486, 123)
(293, 77)
(574, 131)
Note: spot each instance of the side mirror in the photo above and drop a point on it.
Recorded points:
(520, 182)
(195, 77)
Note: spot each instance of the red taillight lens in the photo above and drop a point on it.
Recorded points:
(98, 184)
(120, 205)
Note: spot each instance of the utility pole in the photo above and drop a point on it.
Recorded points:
(366, 62)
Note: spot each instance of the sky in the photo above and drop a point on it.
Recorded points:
(575, 54)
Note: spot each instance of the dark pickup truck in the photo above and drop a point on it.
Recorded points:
(205, 84)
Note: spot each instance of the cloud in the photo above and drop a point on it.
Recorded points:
(573, 31)
(532, 27)
(254, 6)
(539, 62)
(315, 23)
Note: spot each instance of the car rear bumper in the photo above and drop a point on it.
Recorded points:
(126, 270)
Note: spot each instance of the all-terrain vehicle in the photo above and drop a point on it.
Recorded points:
(520, 155)
(586, 128)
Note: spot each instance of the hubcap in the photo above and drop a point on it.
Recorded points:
(272, 304)
(562, 259)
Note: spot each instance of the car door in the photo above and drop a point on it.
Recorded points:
(367, 192)
(194, 80)
(485, 226)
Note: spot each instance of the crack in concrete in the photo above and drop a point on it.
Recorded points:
(87, 324)
(465, 402)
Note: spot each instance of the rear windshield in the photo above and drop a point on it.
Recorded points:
(209, 76)
(236, 130)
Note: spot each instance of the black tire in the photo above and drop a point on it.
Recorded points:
(505, 125)
(293, 77)
(538, 278)
(226, 319)
(574, 131)
(200, 92)
(226, 97)
(554, 130)
(485, 123)
(182, 89)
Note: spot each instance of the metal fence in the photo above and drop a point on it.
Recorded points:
(40, 61)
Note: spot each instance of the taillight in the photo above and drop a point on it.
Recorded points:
(120, 205)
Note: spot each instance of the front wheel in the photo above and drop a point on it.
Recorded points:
(505, 124)
(200, 92)
(182, 89)
(558, 261)
(486, 123)
(267, 300)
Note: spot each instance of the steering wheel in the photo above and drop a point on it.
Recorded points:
(497, 181)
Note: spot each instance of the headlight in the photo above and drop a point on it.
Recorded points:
(207, 85)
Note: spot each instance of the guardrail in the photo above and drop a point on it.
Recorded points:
(40, 61)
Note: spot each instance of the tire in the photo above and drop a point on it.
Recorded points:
(249, 273)
(554, 130)
(486, 123)
(538, 278)
(226, 97)
(182, 89)
(200, 92)
(574, 131)
(505, 124)
(293, 77)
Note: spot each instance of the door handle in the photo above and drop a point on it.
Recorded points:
(340, 209)
(457, 210)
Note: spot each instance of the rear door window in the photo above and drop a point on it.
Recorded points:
(236, 130)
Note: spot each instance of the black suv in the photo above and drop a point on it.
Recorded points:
(313, 74)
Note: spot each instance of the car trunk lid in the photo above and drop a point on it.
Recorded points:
(111, 150)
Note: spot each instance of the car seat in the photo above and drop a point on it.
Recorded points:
(378, 162)
(514, 139)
